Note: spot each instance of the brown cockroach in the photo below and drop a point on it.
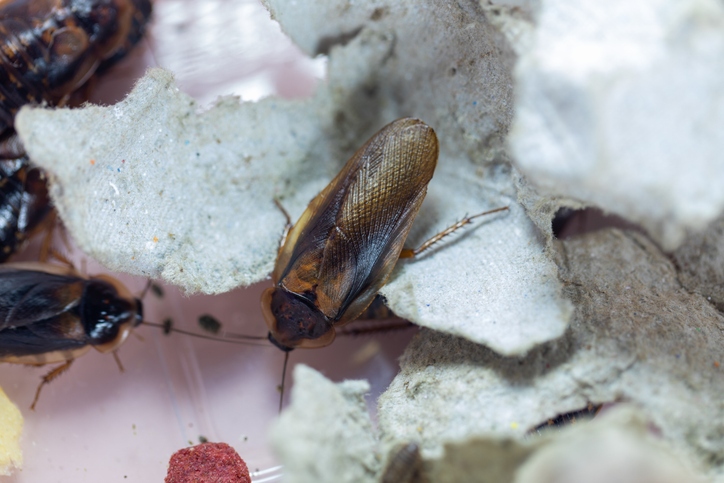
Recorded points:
(342, 250)
(335, 259)
(49, 48)
(52, 314)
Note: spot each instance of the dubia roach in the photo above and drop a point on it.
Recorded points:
(51, 314)
(49, 48)
(332, 263)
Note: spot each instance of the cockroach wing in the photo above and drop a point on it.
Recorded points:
(28, 297)
(375, 217)
(348, 240)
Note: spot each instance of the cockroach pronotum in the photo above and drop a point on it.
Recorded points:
(52, 314)
(335, 259)
(48, 49)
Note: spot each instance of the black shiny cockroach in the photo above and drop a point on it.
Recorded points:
(335, 259)
(24, 204)
(52, 314)
(49, 48)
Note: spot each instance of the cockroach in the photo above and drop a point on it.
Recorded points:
(584, 414)
(335, 259)
(52, 314)
(402, 465)
(24, 204)
(49, 48)
(342, 250)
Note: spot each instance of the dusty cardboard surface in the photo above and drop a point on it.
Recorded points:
(636, 336)
(326, 434)
(618, 446)
(617, 107)
(154, 187)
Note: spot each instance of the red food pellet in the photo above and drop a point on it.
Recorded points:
(207, 463)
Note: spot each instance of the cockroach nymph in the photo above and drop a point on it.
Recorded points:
(573, 417)
(403, 464)
(335, 259)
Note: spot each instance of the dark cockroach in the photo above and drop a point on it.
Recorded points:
(332, 263)
(585, 414)
(49, 48)
(403, 464)
(52, 314)
(24, 204)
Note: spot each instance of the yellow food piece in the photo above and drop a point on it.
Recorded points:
(11, 426)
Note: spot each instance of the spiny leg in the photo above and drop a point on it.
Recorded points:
(118, 361)
(45, 246)
(60, 257)
(287, 227)
(413, 252)
(49, 377)
(361, 327)
(284, 376)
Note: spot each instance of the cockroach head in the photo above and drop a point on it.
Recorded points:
(294, 322)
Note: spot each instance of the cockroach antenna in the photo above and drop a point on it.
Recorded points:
(284, 375)
(230, 338)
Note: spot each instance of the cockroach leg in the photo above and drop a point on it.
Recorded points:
(284, 376)
(11, 147)
(49, 377)
(52, 252)
(288, 225)
(370, 326)
(146, 288)
(45, 247)
(118, 362)
(413, 252)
